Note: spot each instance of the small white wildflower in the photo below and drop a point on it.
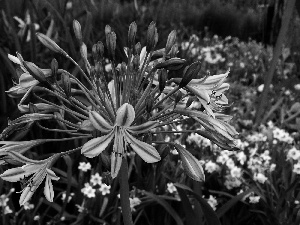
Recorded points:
(28, 206)
(236, 172)
(297, 87)
(104, 189)
(296, 202)
(84, 166)
(293, 153)
(261, 178)
(3, 200)
(96, 179)
(241, 157)
(272, 167)
(64, 195)
(171, 188)
(7, 210)
(80, 208)
(230, 163)
(296, 168)
(212, 201)
(36, 218)
(134, 202)
(88, 191)
(254, 199)
(211, 166)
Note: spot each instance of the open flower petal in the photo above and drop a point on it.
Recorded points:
(95, 146)
(48, 189)
(99, 122)
(143, 128)
(125, 115)
(27, 194)
(15, 174)
(147, 152)
(116, 162)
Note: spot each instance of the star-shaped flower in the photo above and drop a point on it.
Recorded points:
(122, 133)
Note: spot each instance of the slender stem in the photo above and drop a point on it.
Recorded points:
(124, 192)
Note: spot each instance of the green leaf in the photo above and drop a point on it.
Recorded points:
(221, 211)
(166, 205)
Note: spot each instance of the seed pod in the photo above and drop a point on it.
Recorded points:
(162, 78)
(66, 83)
(50, 44)
(137, 48)
(77, 30)
(190, 73)
(171, 41)
(152, 37)
(54, 68)
(35, 71)
(132, 34)
(171, 64)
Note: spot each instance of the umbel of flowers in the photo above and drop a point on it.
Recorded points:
(133, 102)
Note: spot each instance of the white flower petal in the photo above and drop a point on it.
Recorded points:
(99, 122)
(125, 115)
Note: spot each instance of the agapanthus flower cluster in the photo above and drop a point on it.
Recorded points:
(118, 112)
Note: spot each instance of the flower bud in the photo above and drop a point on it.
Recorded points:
(35, 71)
(98, 51)
(162, 78)
(152, 37)
(111, 43)
(171, 64)
(190, 73)
(50, 44)
(137, 48)
(136, 62)
(66, 83)
(189, 101)
(54, 68)
(171, 41)
(77, 30)
(132, 34)
(149, 104)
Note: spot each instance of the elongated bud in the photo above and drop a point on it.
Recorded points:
(171, 41)
(83, 51)
(111, 43)
(152, 37)
(33, 108)
(162, 78)
(149, 104)
(98, 51)
(50, 44)
(171, 64)
(54, 68)
(136, 62)
(35, 71)
(77, 30)
(66, 83)
(132, 34)
(137, 48)
(173, 52)
(178, 97)
(190, 73)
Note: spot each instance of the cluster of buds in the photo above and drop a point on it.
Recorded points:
(126, 106)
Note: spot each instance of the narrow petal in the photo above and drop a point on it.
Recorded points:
(116, 162)
(26, 80)
(200, 93)
(52, 175)
(48, 189)
(190, 164)
(147, 152)
(14, 174)
(26, 194)
(99, 122)
(207, 108)
(143, 128)
(95, 146)
(125, 115)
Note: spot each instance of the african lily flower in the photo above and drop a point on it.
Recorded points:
(121, 132)
(40, 170)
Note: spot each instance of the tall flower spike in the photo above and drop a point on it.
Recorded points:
(122, 133)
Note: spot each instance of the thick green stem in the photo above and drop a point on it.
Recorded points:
(124, 192)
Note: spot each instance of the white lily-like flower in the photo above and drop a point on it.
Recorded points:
(121, 132)
(39, 169)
